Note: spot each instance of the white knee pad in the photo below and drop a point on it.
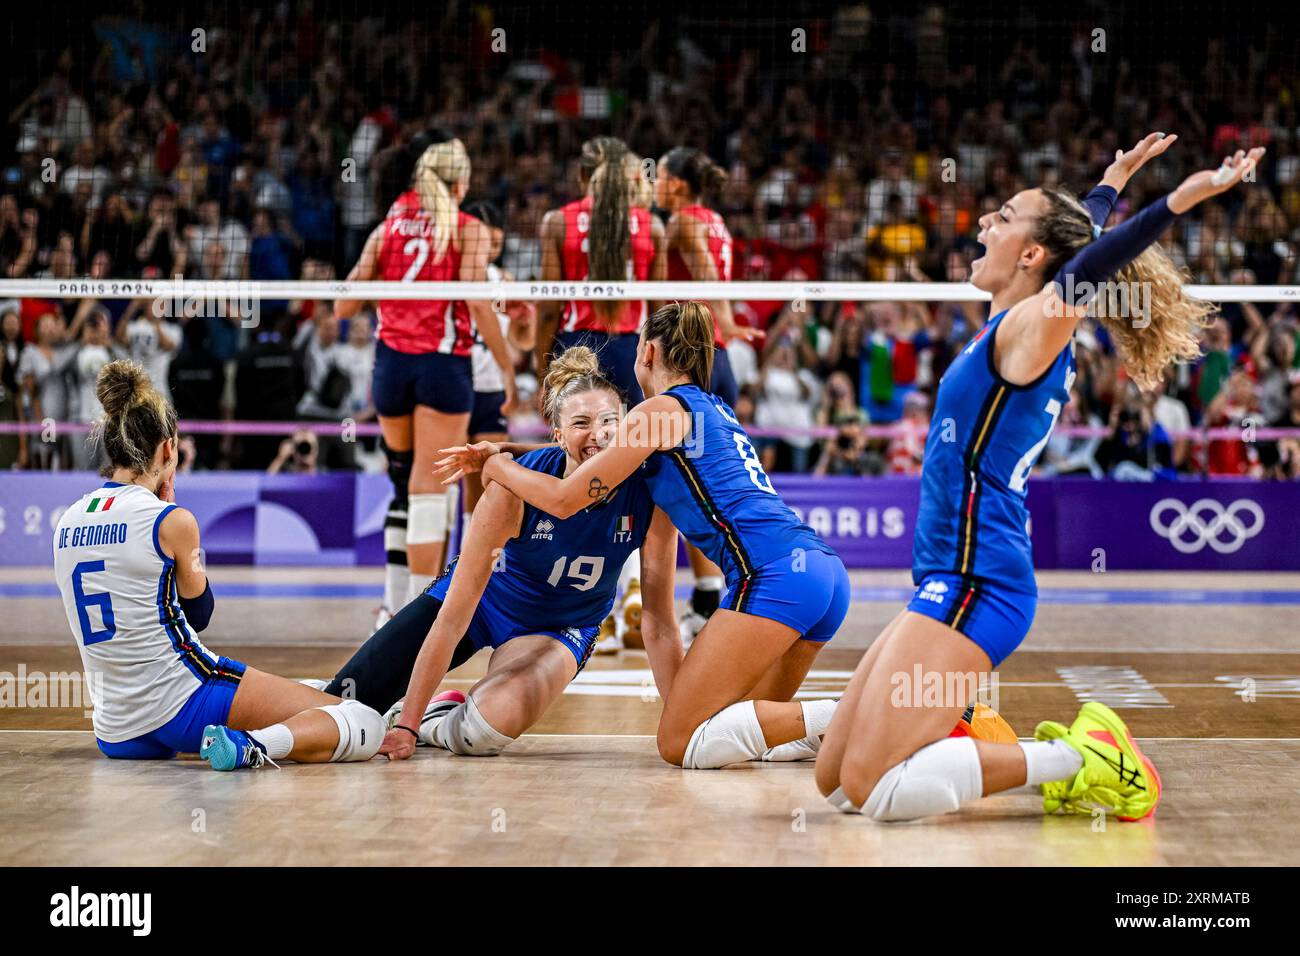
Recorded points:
(732, 735)
(426, 519)
(395, 532)
(361, 731)
(937, 779)
(817, 716)
(465, 731)
(803, 749)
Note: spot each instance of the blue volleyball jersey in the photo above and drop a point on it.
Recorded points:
(985, 436)
(714, 489)
(564, 572)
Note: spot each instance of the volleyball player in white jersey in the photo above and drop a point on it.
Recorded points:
(127, 562)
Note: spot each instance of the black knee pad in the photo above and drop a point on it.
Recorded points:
(704, 603)
(400, 465)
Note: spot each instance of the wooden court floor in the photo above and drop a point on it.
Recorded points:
(1205, 668)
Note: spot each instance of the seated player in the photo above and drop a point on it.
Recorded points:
(532, 586)
(126, 559)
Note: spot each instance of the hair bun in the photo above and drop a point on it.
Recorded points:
(120, 385)
(574, 362)
(576, 369)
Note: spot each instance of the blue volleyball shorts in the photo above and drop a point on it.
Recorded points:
(808, 590)
(209, 704)
(994, 617)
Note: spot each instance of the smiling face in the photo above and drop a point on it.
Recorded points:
(588, 422)
(1006, 234)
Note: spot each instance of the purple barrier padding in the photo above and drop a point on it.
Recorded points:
(1043, 528)
(227, 512)
(371, 495)
(869, 522)
(252, 518)
(1227, 525)
(306, 519)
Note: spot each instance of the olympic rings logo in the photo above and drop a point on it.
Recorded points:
(1188, 520)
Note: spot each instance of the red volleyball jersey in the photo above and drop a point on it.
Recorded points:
(420, 326)
(578, 314)
(720, 249)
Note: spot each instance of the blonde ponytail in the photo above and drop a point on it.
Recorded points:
(684, 331)
(1149, 289)
(1171, 319)
(437, 170)
(575, 370)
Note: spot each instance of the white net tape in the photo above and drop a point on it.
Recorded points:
(562, 290)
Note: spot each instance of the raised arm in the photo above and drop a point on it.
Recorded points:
(1126, 164)
(656, 424)
(496, 520)
(1044, 323)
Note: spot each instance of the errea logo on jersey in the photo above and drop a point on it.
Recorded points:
(543, 530)
(933, 591)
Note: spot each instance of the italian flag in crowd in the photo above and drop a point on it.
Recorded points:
(100, 504)
(890, 362)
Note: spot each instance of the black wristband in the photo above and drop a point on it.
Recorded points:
(407, 729)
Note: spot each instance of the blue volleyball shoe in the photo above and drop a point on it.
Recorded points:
(227, 749)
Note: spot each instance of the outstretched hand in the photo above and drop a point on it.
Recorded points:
(1199, 187)
(1128, 162)
(462, 460)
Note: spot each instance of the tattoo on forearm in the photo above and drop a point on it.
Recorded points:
(597, 489)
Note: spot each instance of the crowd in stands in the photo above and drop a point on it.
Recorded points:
(870, 158)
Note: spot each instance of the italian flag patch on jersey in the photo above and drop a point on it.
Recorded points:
(100, 504)
(625, 524)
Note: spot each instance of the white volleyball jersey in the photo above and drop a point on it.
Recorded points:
(119, 592)
(487, 373)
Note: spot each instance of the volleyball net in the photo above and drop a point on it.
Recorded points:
(833, 359)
